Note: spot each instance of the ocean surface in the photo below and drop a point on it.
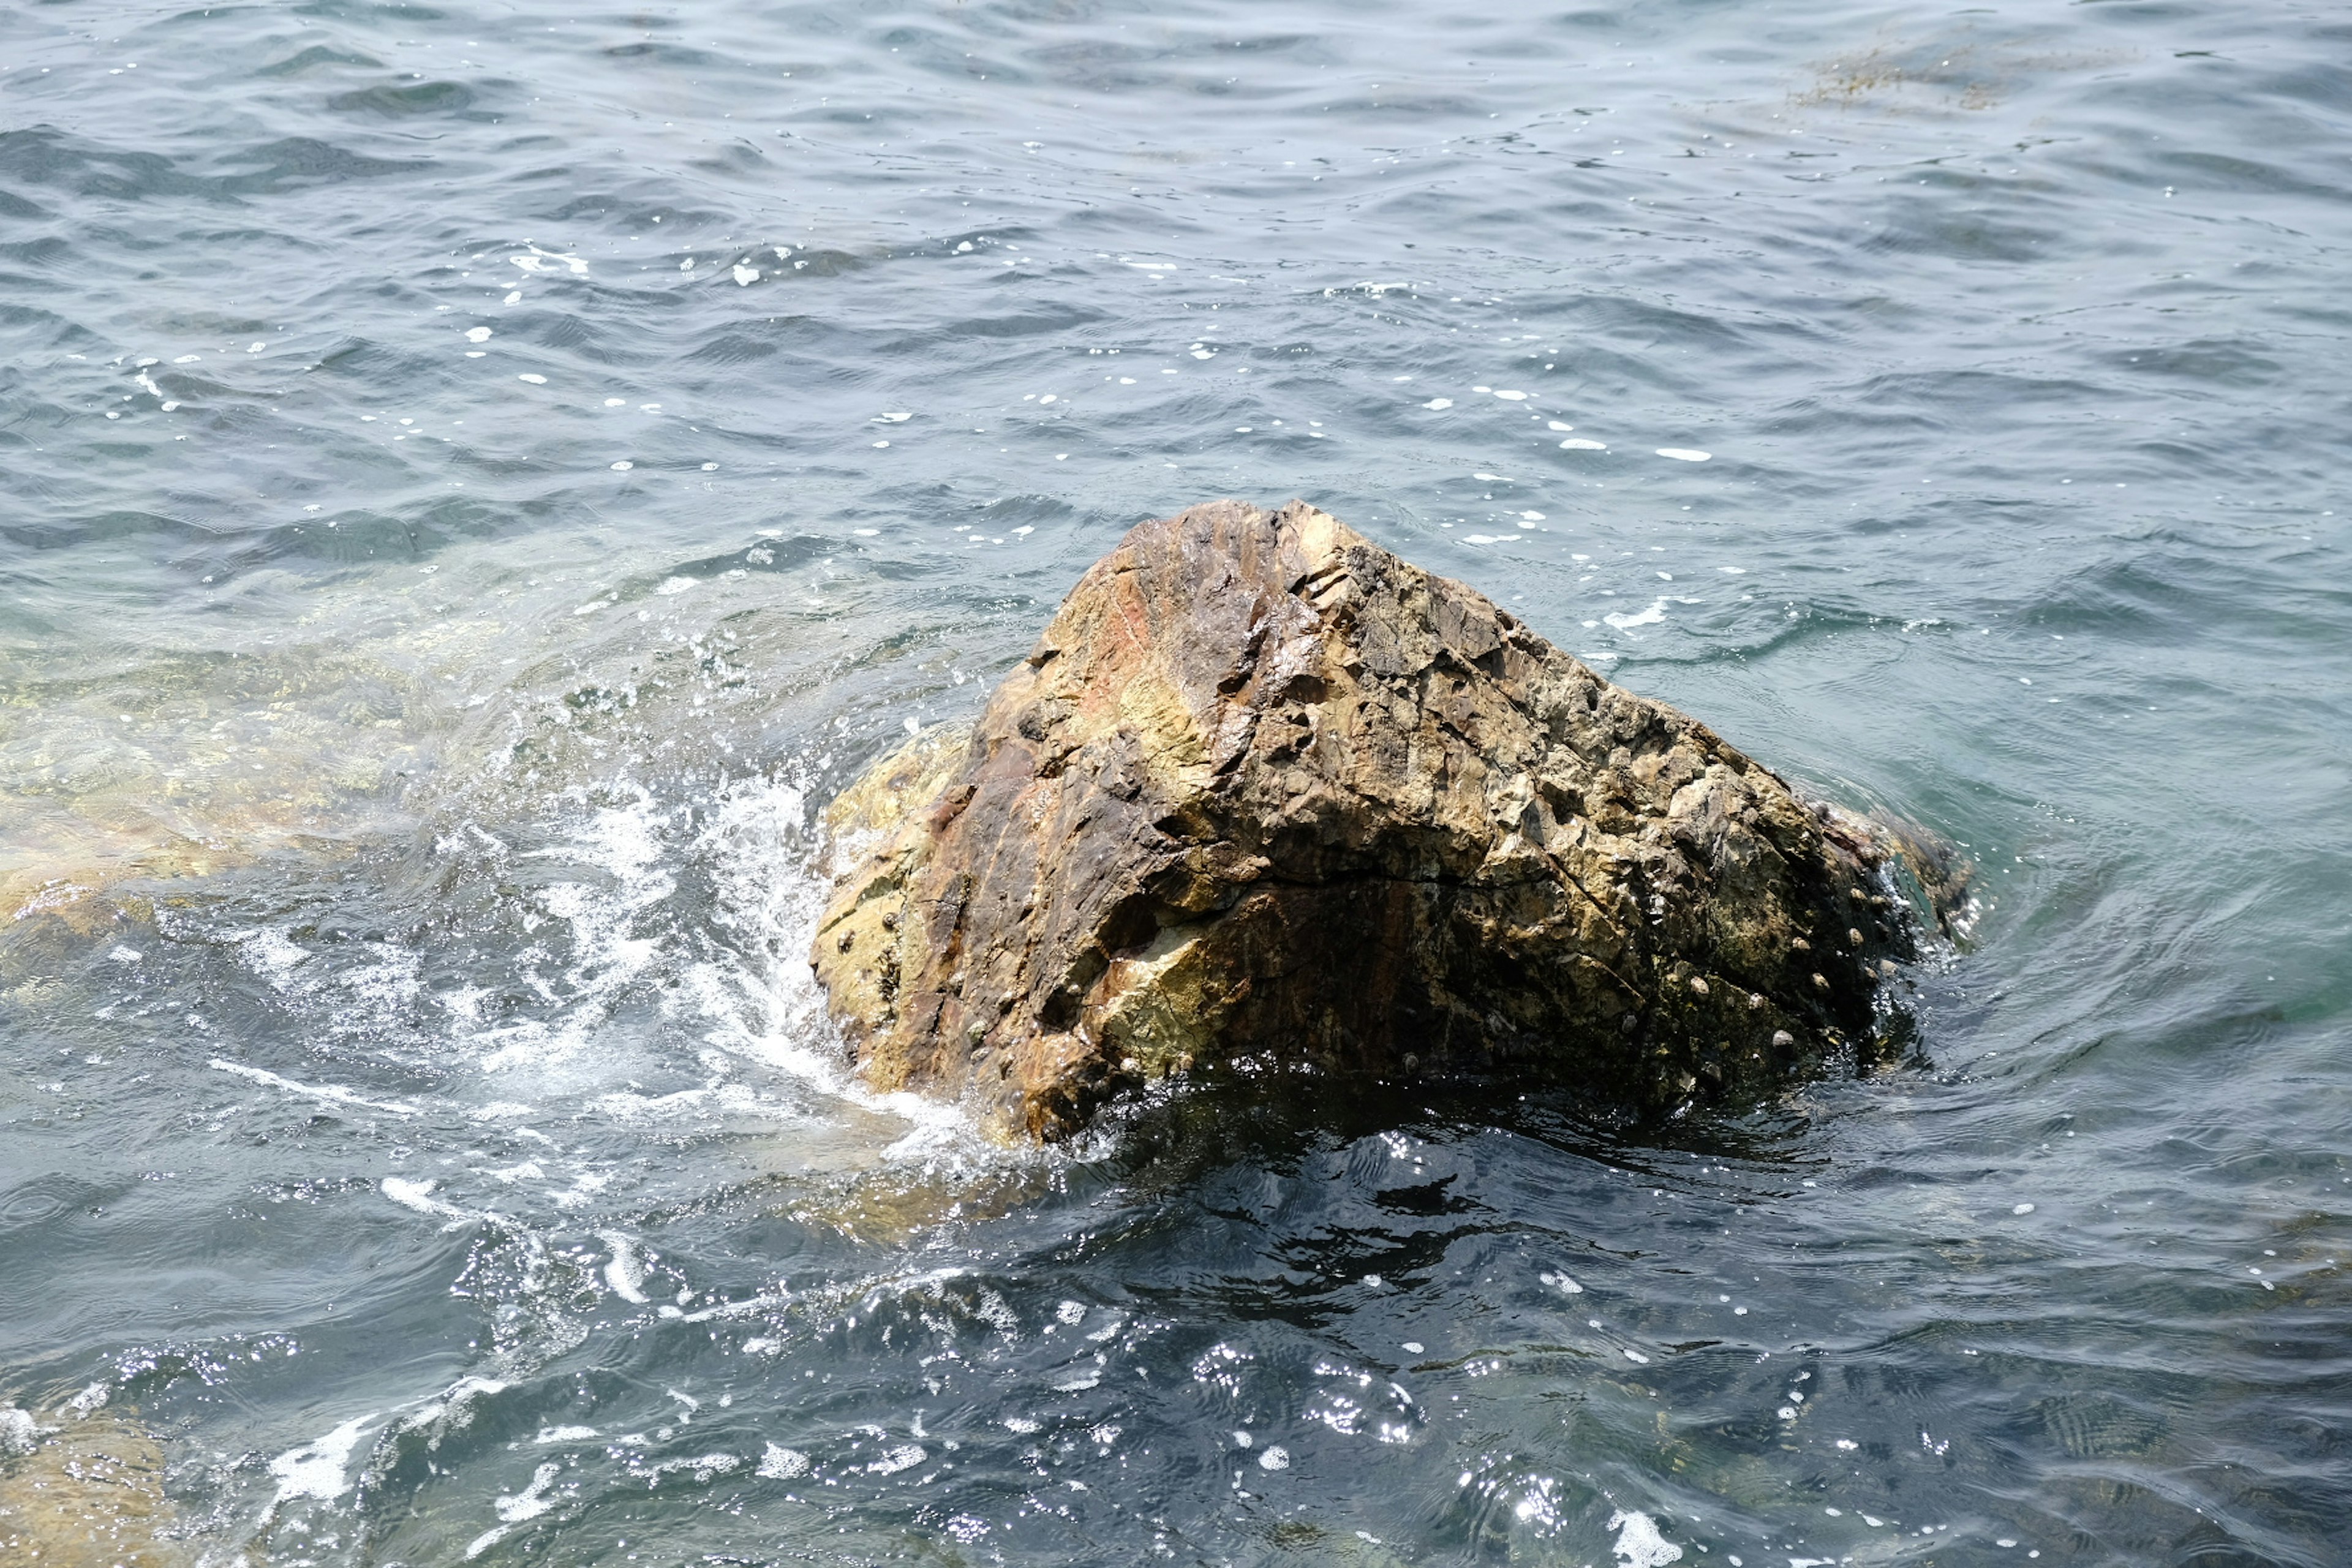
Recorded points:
(475, 477)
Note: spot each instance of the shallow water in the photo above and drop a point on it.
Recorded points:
(479, 477)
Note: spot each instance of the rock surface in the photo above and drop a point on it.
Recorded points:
(1265, 792)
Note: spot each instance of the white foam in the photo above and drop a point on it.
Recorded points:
(746, 276)
(18, 1432)
(1649, 617)
(532, 1500)
(1481, 538)
(317, 1469)
(623, 466)
(1579, 443)
(781, 1464)
(1556, 424)
(1512, 396)
(1562, 1283)
(418, 1195)
(328, 1091)
(1276, 1457)
(624, 1273)
(1684, 454)
(533, 377)
(1639, 1544)
(478, 334)
(534, 259)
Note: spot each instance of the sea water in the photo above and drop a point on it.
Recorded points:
(474, 479)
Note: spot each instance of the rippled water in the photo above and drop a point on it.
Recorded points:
(477, 477)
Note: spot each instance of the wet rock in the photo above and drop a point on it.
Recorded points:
(1267, 794)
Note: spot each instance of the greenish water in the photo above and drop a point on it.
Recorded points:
(477, 478)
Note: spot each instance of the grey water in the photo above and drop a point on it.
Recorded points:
(475, 477)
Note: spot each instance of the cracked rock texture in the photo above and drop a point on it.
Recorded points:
(1265, 793)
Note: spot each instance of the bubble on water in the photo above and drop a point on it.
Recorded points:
(1562, 1283)
(1639, 1544)
(514, 299)
(565, 1434)
(1684, 454)
(1556, 424)
(778, 1463)
(623, 466)
(478, 334)
(2021, 1209)
(533, 377)
(1579, 443)
(1276, 1457)
(1513, 396)
(905, 1456)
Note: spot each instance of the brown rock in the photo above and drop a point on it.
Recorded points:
(1265, 792)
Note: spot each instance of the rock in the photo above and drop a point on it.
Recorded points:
(1265, 793)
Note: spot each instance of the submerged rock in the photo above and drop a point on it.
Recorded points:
(85, 1493)
(1265, 793)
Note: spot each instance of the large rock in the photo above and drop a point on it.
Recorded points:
(1265, 792)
